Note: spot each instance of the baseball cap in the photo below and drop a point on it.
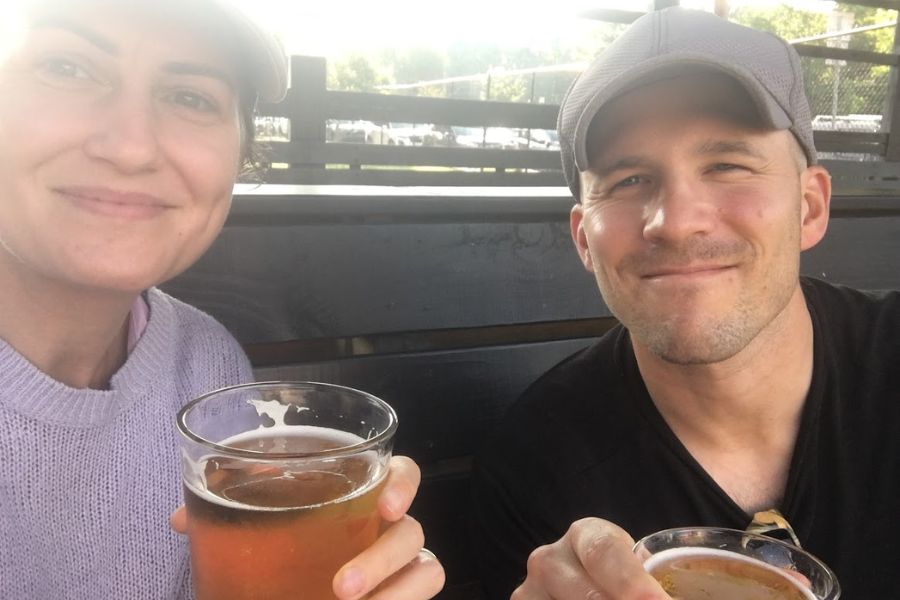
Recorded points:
(663, 41)
(267, 64)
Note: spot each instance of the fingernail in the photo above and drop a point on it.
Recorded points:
(351, 582)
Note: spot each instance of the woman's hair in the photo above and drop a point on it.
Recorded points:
(251, 151)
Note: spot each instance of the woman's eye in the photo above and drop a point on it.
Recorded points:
(194, 101)
(63, 68)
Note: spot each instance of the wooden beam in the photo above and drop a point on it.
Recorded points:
(441, 111)
(370, 177)
(304, 104)
(892, 110)
(302, 153)
(889, 4)
(863, 56)
(850, 142)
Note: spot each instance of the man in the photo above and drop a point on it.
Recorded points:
(732, 385)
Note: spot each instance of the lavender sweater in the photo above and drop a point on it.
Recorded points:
(88, 478)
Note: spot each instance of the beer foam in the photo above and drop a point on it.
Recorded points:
(661, 559)
(275, 410)
(340, 439)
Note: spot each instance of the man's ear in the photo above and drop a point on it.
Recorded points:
(576, 225)
(815, 205)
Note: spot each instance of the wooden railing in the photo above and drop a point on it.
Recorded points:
(309, 158)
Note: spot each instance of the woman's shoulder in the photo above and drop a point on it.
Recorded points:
(194, 337)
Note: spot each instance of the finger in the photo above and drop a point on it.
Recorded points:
(178, 520)
(555, 572)
(420, 579)
(398, 545)
(605, 550)
(530, 591)
(400, 489)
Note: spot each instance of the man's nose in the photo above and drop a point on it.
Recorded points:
(682, 207)
(126, 133)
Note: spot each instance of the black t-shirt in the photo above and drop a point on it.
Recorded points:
(586, 440)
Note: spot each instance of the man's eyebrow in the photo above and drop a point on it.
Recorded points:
(93, 37)
(603, 169)
(199, 69)
(713, 147)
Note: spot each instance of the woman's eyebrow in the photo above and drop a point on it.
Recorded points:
(198, 69)
(108, 46)
(98, 40)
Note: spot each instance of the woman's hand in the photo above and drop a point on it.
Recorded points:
(396, 566)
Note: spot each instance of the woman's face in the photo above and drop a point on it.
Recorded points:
(119, 145)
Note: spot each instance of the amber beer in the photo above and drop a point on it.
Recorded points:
(714, 563)
(275, 532)
(711, 574)
(281, 483)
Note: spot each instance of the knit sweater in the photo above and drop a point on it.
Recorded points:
(88, 478)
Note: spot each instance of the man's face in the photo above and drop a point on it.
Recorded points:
(692, 219)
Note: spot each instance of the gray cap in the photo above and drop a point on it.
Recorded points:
(266, 60)
(765, 65)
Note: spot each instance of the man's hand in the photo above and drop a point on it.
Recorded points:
(396, 566)
(593, 561)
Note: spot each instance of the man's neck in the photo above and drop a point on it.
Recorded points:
(739, 418)
(76, 335)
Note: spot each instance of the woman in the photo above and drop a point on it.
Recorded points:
(123, 126)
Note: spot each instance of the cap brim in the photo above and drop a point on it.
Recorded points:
(672, 65)
(267, 58)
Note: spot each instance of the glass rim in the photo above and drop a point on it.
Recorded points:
(367, 444)
(756, 536)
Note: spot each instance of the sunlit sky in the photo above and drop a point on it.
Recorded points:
(339, 27)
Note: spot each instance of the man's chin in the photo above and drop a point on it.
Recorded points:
(680, 347)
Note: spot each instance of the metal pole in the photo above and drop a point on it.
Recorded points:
(835, 90)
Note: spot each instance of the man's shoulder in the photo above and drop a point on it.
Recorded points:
(582, 388)
(865, 311)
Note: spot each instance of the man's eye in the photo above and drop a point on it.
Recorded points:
(631, 181)
(725, 167)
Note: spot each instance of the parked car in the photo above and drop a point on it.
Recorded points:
(478, 137)
(539, 139)
(414, 134)
(356, 132)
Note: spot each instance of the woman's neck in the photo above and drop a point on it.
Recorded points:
(76, 335)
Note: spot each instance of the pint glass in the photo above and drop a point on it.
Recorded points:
(281, 481)
(708, 563)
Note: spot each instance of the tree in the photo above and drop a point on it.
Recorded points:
(354, 73)
(862, 87)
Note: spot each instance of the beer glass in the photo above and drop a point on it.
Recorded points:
(281, 481)
(708, 563)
